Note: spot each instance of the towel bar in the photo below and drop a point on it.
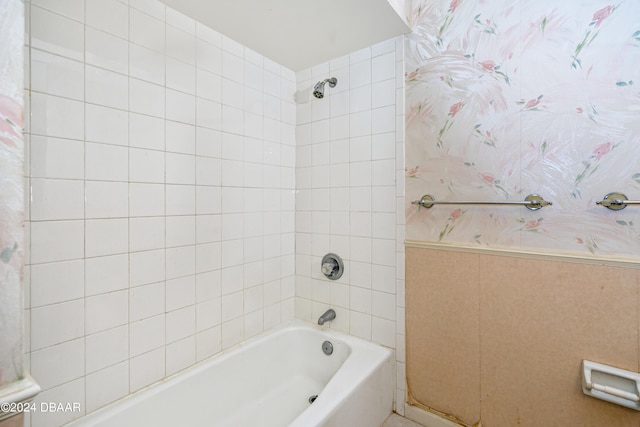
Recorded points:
(532, 202)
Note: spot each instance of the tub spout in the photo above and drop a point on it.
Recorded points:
(328, 315)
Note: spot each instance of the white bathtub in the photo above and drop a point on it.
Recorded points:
(267, 382)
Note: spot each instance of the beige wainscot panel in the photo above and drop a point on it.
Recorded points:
(442, 314)
(539, 320)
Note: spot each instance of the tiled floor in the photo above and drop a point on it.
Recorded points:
(396, 420)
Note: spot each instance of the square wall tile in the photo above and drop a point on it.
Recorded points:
(106, 237)
(146, 166)
(106, 162)
(180, 355)
(232, 66)
(180, 169)
(180, 75)
(180, 231)
(180, 45)
(232, 332)
(180, 199)
(56, 34)
(180, 137)
(107, 385)
(107, 125)
(208, 200)
(56, 75)
(180, 324)
(106, 311)
(106, 88)
(146, 301)
(56, 282)
(383, 119)
(209, 85)
(106, 274)
(383, 331)
(108, 15)
(208, 257)
(56, 158)
(180, 107)
(146, 132)
(57, 323)
(56, 199)
(181, 21)
(147, 267)
(146, 64)
(146, 335)
(360, 325)
(56, 241)
(208, 343)
(57, 117)
(208, 314)
(208, 142)
(106, 199)
(146, 200)
(58, 364)
(208, 114)
(180, 292)
(146, 98)
(383, 67)
(209, 57)
(106, 50)
(147, 31)
(208, 285)
(146, 369)
(107, 348)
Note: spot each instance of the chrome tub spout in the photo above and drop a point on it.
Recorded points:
(326, 316)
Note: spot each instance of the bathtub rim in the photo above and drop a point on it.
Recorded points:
(383, 354)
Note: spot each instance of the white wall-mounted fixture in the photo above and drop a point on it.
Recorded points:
(611, 384)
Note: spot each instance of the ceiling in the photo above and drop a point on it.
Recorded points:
(298, 33)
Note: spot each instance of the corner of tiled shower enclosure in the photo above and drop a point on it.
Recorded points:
(349, 195)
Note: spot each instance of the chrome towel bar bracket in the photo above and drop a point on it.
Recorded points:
(616, 201)
(532, 202)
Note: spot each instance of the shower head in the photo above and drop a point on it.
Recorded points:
(318, 89)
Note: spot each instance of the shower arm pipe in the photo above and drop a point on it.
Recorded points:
(331, 80)
(532, 202)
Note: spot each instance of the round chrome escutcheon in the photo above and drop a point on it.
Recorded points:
(327, 347)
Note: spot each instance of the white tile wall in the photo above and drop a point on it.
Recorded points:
(163, 162)
(161, 173)
(349, 168)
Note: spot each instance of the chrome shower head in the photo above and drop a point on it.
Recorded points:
(318, 89)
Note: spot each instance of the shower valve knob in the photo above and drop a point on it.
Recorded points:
(328, 267)
(332, 266)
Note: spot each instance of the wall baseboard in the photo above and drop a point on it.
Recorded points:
(426, 418)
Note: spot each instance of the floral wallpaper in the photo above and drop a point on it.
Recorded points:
(11, 189)
(505, 98)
